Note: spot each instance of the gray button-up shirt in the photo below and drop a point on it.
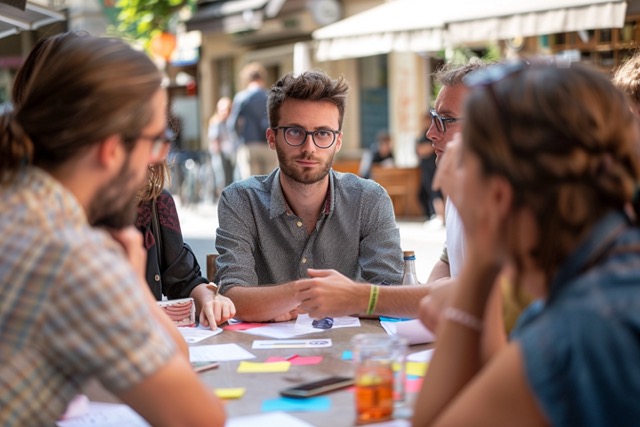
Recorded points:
(262, 242)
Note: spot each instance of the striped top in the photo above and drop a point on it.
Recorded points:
(71, 308)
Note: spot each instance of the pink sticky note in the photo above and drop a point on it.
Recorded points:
(298, 360)
(414, 385)
(243, 326)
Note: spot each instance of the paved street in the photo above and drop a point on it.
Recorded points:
(199, 225)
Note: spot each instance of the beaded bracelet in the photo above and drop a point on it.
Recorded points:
(373, 299)
(463, 318)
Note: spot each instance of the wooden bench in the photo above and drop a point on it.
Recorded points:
(402, 185)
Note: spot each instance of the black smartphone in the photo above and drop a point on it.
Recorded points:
(317, 387)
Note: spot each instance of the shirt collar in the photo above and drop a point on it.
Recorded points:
(597, 243)
(279, 204)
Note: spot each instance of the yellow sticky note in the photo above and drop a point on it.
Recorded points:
(230, 393)
(252, 367)
(416, 368)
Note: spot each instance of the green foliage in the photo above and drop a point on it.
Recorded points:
(140, 20)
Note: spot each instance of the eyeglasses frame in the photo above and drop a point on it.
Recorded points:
(441, 122)
(307, 133)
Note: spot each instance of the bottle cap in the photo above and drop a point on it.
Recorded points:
(408, 253)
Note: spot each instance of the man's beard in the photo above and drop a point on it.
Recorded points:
(289, 168)
(113, 206)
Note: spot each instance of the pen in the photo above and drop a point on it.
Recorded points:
(213, 288)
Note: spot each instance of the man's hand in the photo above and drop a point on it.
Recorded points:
(285, 317)
(217, 311)
(439, 298)
(214, 308)
(329, 293)
(131, 240)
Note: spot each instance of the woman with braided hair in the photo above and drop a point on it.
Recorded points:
(547, 172)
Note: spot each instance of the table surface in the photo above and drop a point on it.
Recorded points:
(262, 386)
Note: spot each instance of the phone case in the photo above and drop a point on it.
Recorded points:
(318, 387)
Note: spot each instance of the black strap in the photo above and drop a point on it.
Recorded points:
(155, 229)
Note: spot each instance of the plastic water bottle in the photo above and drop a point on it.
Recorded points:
(409, 275)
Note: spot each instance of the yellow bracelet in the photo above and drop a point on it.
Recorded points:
(373, 299)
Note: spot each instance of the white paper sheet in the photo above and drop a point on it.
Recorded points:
(304, 323)
(199, 333)
(269, 344)
(421, 356)
(270, 419)
(413, 330)
(106, 415)
(300, 326)
(218, 353)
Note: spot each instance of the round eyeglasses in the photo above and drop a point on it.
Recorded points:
(296, 136)
(441, 122)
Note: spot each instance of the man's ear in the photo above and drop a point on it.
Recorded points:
(338, 142)
(271, 138)
(110, 152)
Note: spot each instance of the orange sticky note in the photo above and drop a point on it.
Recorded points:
(252, 367)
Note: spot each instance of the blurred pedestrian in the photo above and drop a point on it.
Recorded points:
(248, 124)
(221, 148)
(380, 154)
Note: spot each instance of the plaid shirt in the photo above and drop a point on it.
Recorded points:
(71, 308)
(261, 242)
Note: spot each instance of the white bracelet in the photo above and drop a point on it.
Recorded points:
(463, 318)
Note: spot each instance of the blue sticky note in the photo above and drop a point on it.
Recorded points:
(347, 355)
(309, 404)
(393, 319)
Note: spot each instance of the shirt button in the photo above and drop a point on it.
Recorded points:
(304, 260)
(299, 223)
(157, 277)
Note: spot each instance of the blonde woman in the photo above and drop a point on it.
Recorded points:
(172, 268)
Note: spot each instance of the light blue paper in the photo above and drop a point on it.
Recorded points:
(309, 404)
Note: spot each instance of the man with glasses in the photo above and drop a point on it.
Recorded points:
(275, 228)
(446, 122)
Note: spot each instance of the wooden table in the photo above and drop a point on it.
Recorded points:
(262, 386)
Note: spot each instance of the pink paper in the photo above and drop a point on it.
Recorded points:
(297, 360)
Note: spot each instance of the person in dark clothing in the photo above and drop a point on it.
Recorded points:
(172, 268)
